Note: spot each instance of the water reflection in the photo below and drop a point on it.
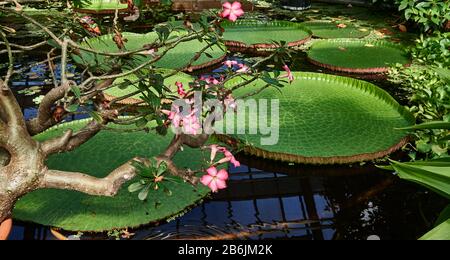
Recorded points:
(313, 203)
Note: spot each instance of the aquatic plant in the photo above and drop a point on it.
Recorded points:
(324, 119)
(70, 170)
(357, 56)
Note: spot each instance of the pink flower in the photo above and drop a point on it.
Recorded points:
(215, 180)
(180, 89)
(243, 68)
(232, 11)
(289, 73)
(229, 157)
(230, 63)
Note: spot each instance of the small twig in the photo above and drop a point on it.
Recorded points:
(10, 58)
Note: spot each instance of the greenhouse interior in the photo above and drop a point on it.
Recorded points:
(225, 120)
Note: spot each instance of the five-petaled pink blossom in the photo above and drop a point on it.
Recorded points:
(232, 11)
(289, 75)
(180, 89)
(215, 180)
(230, 63)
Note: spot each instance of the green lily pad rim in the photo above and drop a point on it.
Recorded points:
(241, 46)
(350, 82)
(376, 70)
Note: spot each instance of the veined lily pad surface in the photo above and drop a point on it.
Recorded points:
(330, 30)
(258, 34)
(76, 211)
(325, 119)
(175, 58)
(133, 87)
(357, 56)
(101, 6)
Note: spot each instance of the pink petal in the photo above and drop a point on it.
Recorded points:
(220, 184)
(238, 12)
(224, 160)
(222, 175)
(236, 5)
(212, 171)
(235, 162)
(213, 151)
(227, 5)
(206, 179)
(225, 13)
(232, 17)
(213, 185)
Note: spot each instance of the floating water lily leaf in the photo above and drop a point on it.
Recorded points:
(133, 87)
(325, 119)
(331, 30)
(357, 56)
(257, 34)
(75, 211)
(99, 6)
(175, 58)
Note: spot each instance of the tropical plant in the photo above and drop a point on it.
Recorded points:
(429, 95)
(324, 119)
(435, 175)
(428, 14)
(30, 148)
(433, 50)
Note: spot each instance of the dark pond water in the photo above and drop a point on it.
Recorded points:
(268, 200)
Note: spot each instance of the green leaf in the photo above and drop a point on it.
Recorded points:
(434, 174)
(72, 108)
(251, 33)
(357, 56)
(175, 58)
(144, 192)
(441, 232)
(76, 91)
(428, 125)
(325, 119)
(75, 211)
(329, 30)
(135, 187)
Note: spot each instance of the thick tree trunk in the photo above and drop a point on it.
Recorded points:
(6, 207)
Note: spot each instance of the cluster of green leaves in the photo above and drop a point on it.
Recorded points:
(433, 50)
(429, 94)
(152, 176)
(429, 15)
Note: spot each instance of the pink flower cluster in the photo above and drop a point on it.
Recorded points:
(214, 179)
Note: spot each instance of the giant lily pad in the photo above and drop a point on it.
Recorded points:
(325, 119)
(330, 30)
(249, 34)
(121, 91)
(357, 56)
(76, 211)
(100, 6)
(175, 58)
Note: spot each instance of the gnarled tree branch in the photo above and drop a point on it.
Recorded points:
(108, 186)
